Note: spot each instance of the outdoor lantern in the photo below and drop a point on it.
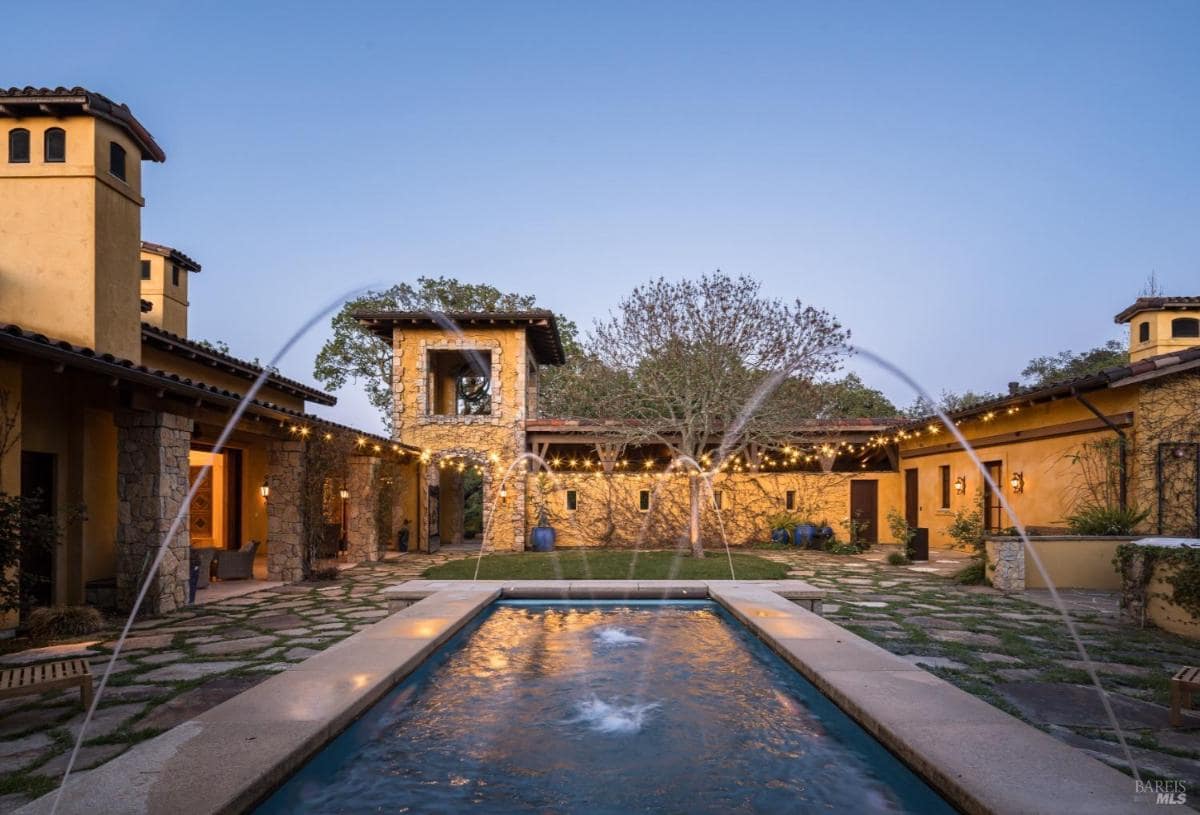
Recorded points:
(1017, 482)
(345, 493)
(960, 484)
(265, 489)
(503, 493)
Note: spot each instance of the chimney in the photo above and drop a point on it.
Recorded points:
(164, 275)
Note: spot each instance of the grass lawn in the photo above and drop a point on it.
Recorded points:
(608, 565)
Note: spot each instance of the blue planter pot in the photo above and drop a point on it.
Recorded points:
(541, 538)
(804, 535)
(780, 536)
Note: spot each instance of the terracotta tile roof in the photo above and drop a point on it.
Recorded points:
(30, 101)
(1116, 376)
(1157, 304)
(541, 326)
(171, 253)
(15, 338)
(190, 349)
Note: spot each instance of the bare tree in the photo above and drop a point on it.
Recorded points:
(694, 364)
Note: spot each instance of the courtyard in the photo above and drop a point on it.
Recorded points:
(1010, 650)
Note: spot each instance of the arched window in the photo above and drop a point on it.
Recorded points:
(1144, 332)
(116, 160)
(18, 146)
(54, 145)
(1185, 327)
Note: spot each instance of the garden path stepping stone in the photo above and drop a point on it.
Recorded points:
(160, 658)
(1116, 668)
(142, 643)
(236, 646)
(185, 671)
(965, 638)
(191, 704)
(934, 662)
(129, 693)
(867, 603)
(37, 717)
(300, 653)
(1000, 658)
(50, 652)
(106, 721)
(1080, 706)
(18, 753)
(89, 756)
(278, 621)
(1018, 674)
(933, 622)
(1148, 761)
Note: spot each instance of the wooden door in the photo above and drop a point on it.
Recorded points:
(864, 509)
(200, 513)
(912, 498)
(993, 512)
(37, 563)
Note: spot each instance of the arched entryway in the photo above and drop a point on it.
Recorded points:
(457, 499)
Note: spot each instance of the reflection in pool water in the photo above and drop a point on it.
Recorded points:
(532, 709)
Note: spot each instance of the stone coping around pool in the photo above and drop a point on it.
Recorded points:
(230, 757)
(796, 591)
(978, 757)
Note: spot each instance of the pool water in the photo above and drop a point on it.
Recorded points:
(555, 707)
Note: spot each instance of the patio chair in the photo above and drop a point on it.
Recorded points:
(237, 564)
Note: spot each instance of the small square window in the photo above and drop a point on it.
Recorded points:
(1144, 332)
(116, 160)
(572, 500)
(789, 500)
(145, 270)
(717, 499)
(174, 275)
(644, 500)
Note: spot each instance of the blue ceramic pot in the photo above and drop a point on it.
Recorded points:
(780, 536)
(804, 535)
(541, 539)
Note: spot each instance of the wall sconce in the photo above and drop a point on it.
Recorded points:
(503, 494)
(265, 489)
(1017, 482)
(960, 485)
(345, 493)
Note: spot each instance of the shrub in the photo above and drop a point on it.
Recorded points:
(1094, 519)
(324, 573)
(55, 622)
(784, 520)
(974, 574)
(902, 533)
(898, 559)
(967, 528)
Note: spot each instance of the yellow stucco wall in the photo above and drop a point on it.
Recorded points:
(68, 261)
(170, 302)
(1052, 481)
(1165, 613)
(1071, 563)
(1161, 341)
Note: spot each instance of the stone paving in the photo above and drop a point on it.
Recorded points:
(1011, 650)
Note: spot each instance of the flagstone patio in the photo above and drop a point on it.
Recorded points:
(1012, 651)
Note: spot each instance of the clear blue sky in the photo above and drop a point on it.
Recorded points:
(966, 185)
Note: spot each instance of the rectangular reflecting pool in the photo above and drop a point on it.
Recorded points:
(604, 707)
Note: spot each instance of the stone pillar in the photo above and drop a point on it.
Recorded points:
(152, 484)
(1009, 574)
(285, 513)
(362, 531)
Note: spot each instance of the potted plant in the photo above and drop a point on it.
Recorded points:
(782, 524)
(542, 536)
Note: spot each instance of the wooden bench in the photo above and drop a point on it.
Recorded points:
(49, 675)
(1183, 683)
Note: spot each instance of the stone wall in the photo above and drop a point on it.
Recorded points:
(1006, 564)
(1069, 561)
(285, 519)
(362, 531)
(152, 486)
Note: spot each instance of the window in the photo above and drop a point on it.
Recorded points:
(459, 383)
(644, 500)
(1185, 327)
(717, 495)
(54, 145)
(945, 473)
(145, 270)
(572, 500)
(18, 146)
(174, 274)
(116, 160)
(789, 500)
(1144, 332)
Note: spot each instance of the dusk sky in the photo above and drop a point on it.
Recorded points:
(965, 185)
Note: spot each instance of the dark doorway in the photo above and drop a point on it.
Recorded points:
(37, 563)
(864, 510)
(435, 518)
(912, 498)
(993, 512)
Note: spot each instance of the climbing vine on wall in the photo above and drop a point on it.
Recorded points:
(1168, 424)
(1180, 568)
(325, 474)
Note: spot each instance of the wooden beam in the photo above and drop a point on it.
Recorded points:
(1017, 436)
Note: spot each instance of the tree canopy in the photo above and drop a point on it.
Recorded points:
(1069, 365)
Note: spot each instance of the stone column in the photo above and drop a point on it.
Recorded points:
(1009, 574)
(285, 515)
(152, 485)
(362, 531)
